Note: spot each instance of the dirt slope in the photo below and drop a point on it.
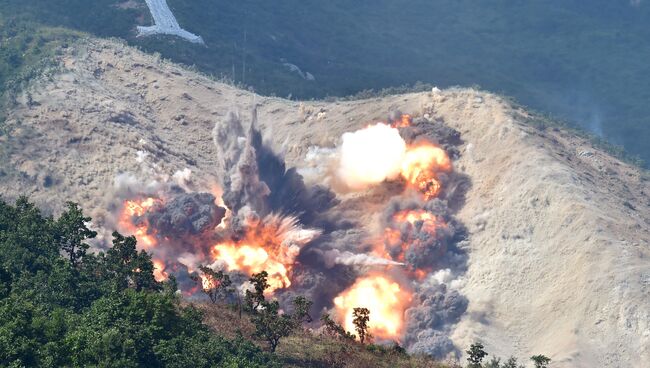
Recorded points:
(559, 231)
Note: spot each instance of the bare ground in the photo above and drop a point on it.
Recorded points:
(559, 231)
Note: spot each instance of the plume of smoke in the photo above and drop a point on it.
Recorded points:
(435, 310)
(257, 178)
(335, 256)
(186, 214)
(425, 243)
(238, 163)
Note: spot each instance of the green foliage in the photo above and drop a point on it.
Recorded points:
(511, 363)
(61, 306)
(302, 306)
(218, 284)
(361, 318)
(125, 267)
(71, 232)
(541, 361)
(270, 325)
(335, 329)
(255, 298)
(476, 353)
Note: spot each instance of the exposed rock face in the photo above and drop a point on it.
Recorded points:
(559, 231)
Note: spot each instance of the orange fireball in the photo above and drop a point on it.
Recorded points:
(385, 299)
(403, 122)
(421, 165)
(159, 270)
(137, 208)
(270, 245)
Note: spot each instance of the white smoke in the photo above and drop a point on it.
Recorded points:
(335, 256)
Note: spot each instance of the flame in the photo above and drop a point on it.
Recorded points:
(397, 239)
(135, 209)
(430, 222)
(404, 121)
(270, 245)
(385, 300)
(159, 270)
(377, 153)
(253, 259)
(370, 155)
(207, 282)
(420, 165)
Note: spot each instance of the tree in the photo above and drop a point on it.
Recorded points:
(511, 363)
(216, 285)
(255, 298)
(71, 232)
(476, 353)
(361, 319)
(125, 267)
(335, 329)
(541, 361)
(271, 325)
(493, 363)
(302, 306)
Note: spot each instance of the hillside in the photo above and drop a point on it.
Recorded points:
(558, 231)
(581, 62)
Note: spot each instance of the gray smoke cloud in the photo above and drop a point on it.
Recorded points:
(330, 235)
(435, 310)
(426, 240)
(186, 214)
(238, 163)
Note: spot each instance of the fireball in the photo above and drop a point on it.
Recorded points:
(270, 245)
(385, 299)
(159, 270)
(420, 165)
(403, 122)
(371, 155)
(131, 221)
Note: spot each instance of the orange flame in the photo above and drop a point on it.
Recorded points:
(404, 121)
(420, 165)
(394, 243)
(159, 270)
(137, 208)
(207, 282)
(253, 259)
(270, 245)
(385, 299)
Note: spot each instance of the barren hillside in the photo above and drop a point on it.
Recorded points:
(559, 240)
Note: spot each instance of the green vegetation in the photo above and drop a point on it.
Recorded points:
(63, 306)
(476, 353)
(361, 319)
(540, 361)
(581, 62)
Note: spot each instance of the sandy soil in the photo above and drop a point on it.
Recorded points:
(559, 231)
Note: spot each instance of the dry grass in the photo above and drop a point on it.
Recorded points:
(306, 348)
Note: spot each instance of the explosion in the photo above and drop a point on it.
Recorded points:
(378, 153)
(371, 156)
(159, 270)
(421, 165)
(140, 229)
(271, 245)
(385, 299)
(403, 121)
(379, 251)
